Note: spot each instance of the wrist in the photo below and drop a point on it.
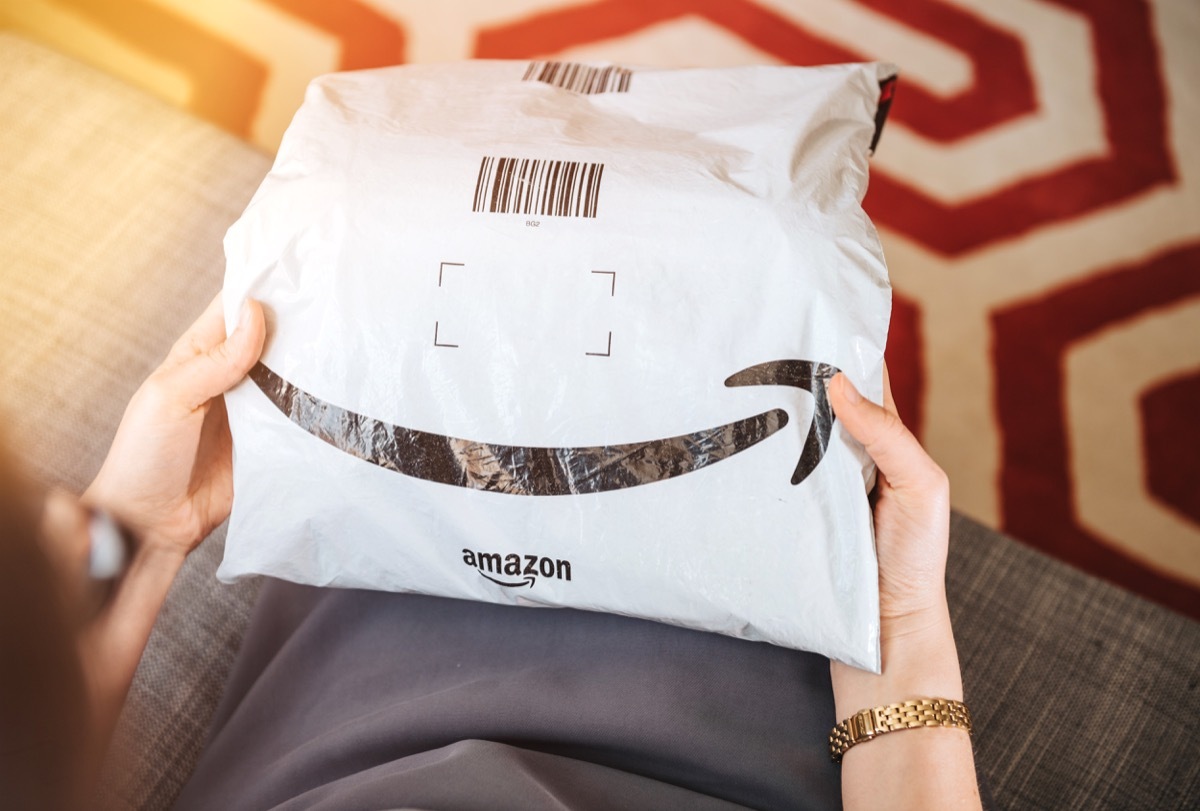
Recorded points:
(162, 534)
(922, 625)
(919, 660)
(157, 559)
(111, 645)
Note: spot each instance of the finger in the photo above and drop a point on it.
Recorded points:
(215, 446)
(196, 380)
(212, 485)
(889, 402)
(896, 452)
(205, 332)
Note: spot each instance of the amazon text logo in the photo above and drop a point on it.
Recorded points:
(515, 571)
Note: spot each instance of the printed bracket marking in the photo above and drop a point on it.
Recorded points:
(613, 273)
(611, 292)
(435, 338)
(442, 267)
(607, 352)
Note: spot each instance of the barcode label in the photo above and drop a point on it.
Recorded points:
(546, 187)
(580, 78)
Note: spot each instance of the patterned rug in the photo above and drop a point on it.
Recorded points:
(1037, 191)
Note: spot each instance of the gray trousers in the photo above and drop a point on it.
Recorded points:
(358, 699)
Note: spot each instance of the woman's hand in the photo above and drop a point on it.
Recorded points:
(168, 479)
(926, 767)
(168, 476)
(912, 509)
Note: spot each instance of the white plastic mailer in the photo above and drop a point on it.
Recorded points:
(558, 334)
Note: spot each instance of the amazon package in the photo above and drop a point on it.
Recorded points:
(557, 334)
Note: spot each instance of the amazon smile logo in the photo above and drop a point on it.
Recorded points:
(538, 471)
(516, 571)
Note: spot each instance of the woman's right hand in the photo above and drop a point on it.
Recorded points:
(912, 509)
(926, 767)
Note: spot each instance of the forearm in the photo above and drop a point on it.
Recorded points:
(927, 767)
(112, 644)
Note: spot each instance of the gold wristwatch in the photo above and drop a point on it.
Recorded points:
(923, 712)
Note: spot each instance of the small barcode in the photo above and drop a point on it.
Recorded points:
(547, 187)
(580, 78)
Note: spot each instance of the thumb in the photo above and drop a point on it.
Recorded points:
(896, 452)
(214, 371)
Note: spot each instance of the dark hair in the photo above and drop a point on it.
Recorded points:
(43, 706)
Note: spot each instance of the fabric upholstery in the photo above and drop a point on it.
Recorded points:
(1084, 696)
(112, 209)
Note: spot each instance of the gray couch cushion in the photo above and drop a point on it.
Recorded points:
(112, 209)
(1084, 696)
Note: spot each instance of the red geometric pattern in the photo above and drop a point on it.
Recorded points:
(1031, 340)
(1172, 463)
(226, 82)
(1131, 88)
(1069, 120)
(369, 39)
(945, 119)
(905, 359)
(1130, 85)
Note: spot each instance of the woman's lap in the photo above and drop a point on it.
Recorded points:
(355, 697)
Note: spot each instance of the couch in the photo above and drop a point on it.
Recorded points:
(112, 211)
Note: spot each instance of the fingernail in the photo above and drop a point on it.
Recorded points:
(848, 389)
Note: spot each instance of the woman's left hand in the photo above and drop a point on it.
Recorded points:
(168, 476)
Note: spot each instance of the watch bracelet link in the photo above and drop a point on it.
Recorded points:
(924, 712)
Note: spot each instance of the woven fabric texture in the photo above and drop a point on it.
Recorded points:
(1083, 696)
(112, 211)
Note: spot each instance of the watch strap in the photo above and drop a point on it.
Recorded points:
(870, 723)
